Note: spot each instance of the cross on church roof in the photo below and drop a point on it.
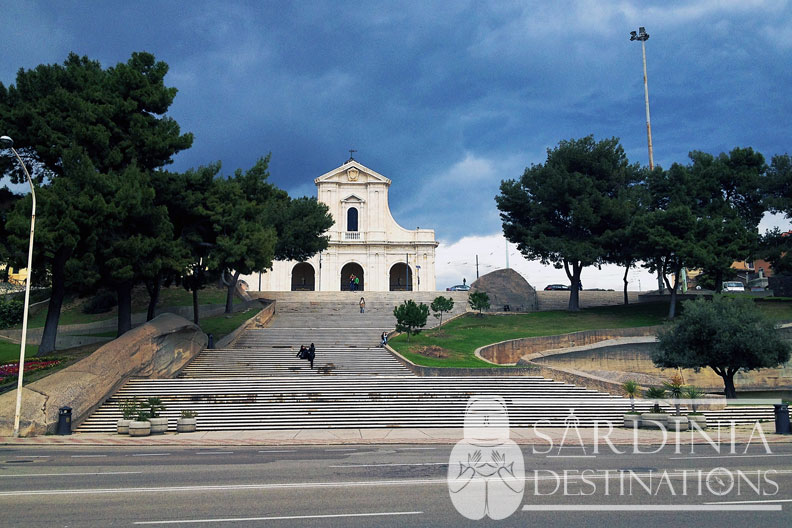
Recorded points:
(351, 157)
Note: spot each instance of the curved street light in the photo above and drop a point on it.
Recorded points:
(7, 142)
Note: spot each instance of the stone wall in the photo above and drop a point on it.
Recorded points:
(559, 300)
(157, 349)
(510, 352)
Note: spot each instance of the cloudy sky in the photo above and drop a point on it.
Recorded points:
(446, 98)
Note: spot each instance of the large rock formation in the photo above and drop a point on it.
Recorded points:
(157, 349)
(506, 287)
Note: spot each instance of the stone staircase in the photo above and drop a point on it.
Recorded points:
(258, 383)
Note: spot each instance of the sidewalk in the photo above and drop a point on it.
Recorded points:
(296, 437)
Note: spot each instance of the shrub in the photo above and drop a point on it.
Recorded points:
(10, 311)
(101, 303)
(188, 414)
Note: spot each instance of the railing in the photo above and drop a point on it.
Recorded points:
(353, 235)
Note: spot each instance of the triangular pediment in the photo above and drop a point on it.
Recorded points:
(353, 198)
(351, 172)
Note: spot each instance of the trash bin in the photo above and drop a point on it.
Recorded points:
(782, 418)
(211, 341)
(64, 421)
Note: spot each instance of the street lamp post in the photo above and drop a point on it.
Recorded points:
(7, 142)
(642, 36)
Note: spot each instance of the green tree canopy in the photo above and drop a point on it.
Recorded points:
(441, 304)
(563, 212)
(410, 317)
(726, 335)
(479, 301)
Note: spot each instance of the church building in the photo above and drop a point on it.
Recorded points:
(365, 242)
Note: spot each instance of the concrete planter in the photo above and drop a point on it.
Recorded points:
(654, 420)
(139, 428)
(698, 419)
(632, 421)
(677, 423)
(186, 425)
(158, 425)
(123, 426)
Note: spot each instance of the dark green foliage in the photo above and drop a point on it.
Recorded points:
(479, 301)
(567, 211)
(725, 335)
(11, 311)
(441, 304)
(657, 394)
(410, 317)
(778, 185)
(102, 302)
(776, 248)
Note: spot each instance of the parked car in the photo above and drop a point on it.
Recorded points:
(459, 287)
(557, 287)
(733, 286)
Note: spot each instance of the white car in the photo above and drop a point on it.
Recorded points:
(733, 286)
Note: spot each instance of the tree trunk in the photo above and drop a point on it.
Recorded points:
(124, 291)
(719, 281)
(672, 304)
(195, 304)
(626, 270)
(574, 278)
(153, 286)
(728, 382)
(230, 297)
(47, 345)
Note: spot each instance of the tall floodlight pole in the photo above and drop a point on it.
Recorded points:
(643, 36)
(7, 142)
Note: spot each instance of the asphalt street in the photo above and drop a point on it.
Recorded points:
(393, 485)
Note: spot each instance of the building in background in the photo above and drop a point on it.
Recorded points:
(365, 243)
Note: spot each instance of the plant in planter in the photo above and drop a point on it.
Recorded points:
(657, 419)
(140, 426)
(674, 387)
(129, 409)
(693, 393)
(154, 407)
(632, 418)
(187, 422)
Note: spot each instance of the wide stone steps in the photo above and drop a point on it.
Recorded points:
(283, 362)
(360, 402)
(323, 338)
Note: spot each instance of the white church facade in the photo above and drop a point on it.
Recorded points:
(365, 242)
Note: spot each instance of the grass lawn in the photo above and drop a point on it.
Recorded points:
(10, 351)
(222, 325)
(462, 336)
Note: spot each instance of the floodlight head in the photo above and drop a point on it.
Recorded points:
(633, 35)
(642, 30)
(6, 142)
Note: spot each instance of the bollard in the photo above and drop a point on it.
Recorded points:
(211, 341)
(64, 421)
(782, 418)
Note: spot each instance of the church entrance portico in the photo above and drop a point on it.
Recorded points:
(303, 277)
(400, 277)
(350, 269)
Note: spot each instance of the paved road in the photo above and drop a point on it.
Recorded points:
(394, 485)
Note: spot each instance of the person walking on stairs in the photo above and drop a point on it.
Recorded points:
(311, 354)
(384, 339)
(362, 305)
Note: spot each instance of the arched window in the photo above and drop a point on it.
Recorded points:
(352, 219)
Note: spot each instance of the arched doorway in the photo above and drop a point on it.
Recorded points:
(353, 268)
(303, 277)
(400, 277)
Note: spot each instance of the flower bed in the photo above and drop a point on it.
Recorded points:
(8, 371)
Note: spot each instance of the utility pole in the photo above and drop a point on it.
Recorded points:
(477, 275)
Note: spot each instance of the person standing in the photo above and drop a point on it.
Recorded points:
(357, 283)
(362, 305)
(311, 354)
(384, 339)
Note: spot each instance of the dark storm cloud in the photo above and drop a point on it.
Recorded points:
(445, 98)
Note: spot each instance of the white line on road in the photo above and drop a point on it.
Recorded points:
(649, 507)
(390, 465)
(279, 451)
(88, 456)
(284, 518)
(214, 452)
(151, 454)
(32, 456)
(72, 474)
(728, 456)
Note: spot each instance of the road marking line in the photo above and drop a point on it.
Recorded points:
(279, 451)
(649, 507)
(151, 454)
(33, 456)
(88, 456)
(389, 465)
(728, 456)
(214, 452)
(283, 518)
(72, 474)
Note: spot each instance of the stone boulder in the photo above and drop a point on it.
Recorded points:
(506, 287)
(157, 349)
